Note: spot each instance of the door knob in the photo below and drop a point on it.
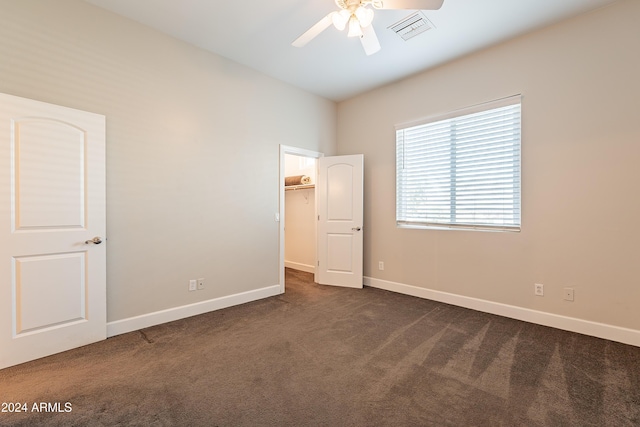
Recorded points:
(96, 241)
(356, 229)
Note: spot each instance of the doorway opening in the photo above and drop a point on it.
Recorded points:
(297, 233)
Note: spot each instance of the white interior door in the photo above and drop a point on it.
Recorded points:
(52, 204)
(340, 220)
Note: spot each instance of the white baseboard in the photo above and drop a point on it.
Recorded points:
(298, 266)
(586, 327)
(151, 319)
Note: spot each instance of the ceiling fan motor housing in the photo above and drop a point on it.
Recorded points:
(351, 5)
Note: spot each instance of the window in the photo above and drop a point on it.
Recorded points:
(461, 170)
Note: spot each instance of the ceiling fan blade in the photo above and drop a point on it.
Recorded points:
(312, 32)
(408, 4)
(369, 40)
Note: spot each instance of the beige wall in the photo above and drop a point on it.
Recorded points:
(300, 229)
(580, 163)
(192, 147)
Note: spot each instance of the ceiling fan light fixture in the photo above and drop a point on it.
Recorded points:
(354, 27)
(340, 19)
(364, 15)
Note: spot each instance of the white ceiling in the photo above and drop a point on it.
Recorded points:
(258, 34)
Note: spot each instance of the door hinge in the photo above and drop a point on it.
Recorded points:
(318, 217)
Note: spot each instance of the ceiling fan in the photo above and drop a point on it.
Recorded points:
(358, 16)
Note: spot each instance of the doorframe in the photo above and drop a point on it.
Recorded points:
(296, 151)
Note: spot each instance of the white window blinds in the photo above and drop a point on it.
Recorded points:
(461, 170)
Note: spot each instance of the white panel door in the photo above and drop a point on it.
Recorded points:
(340, 213)
(52, 206)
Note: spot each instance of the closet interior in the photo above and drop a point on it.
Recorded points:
(300, 208)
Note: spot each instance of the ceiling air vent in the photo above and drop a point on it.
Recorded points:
(411, 26)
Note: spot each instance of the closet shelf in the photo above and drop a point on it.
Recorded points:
(298, 187)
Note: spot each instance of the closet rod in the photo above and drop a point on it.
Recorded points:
(298, 187)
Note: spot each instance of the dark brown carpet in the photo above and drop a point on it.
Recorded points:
(325, 356)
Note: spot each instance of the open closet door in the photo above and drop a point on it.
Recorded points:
(339, 189)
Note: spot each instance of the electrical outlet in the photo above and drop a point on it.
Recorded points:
(568, 294)
(380, 265)
(200, 284)
(192, 285)
(539, 289)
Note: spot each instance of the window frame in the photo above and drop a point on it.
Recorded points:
(403, 220)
